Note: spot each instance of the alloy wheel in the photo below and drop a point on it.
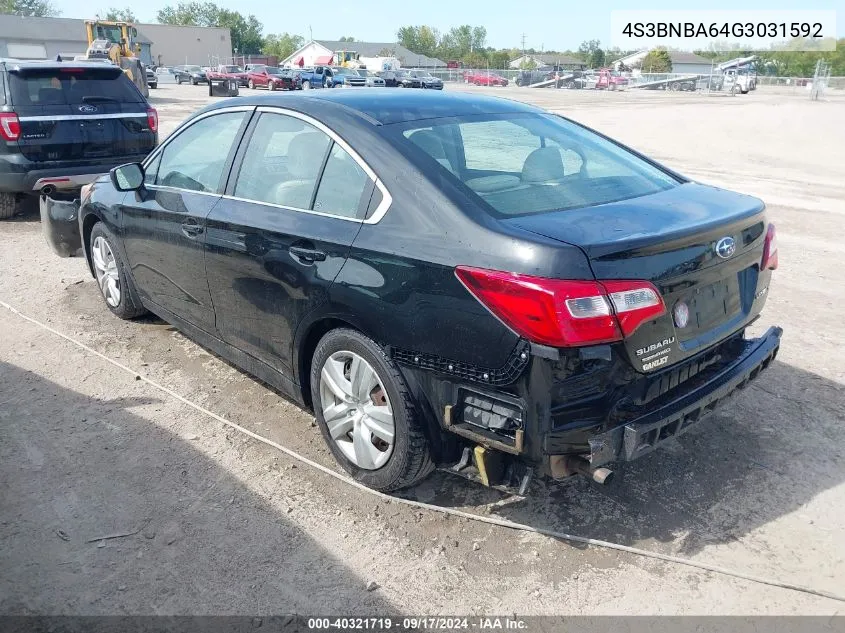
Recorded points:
(357, 411)
(105, 268)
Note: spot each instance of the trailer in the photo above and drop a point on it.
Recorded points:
(672, 83)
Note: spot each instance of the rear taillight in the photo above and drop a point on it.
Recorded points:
(770, 250)
(10, 126)
(564, 313)
(152, 119)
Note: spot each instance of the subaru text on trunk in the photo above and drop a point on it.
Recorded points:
(444, 278)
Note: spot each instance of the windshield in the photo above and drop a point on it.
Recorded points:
(193, 69)
(533, 163)
(274, 71)
(232, 69)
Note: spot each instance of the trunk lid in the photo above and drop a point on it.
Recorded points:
(79, 113)
(679, 240)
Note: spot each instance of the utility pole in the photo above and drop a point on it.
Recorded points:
(523, 44)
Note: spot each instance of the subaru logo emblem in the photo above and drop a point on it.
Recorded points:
(725, 247)
(681, 314)
(88, 109)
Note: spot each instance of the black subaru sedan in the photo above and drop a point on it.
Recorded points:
(444, 279)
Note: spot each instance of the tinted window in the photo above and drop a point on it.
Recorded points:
(342, 185)
(282, 162)
(63, 86)
(195, 159)
(534, 163)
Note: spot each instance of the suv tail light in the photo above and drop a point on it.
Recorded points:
(10, 126)
(564, 313)
(152, 119)
(770, 250)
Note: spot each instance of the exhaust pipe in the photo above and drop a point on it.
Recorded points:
(562, 466)
(47, 190)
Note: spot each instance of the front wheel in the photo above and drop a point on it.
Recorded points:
(113, 276)
(306, 85)
(366, 413)
(250, 84)
(271, 86)
(178, 81)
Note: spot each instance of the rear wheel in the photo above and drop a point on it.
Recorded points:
(113, 277)
(271, 86)
(250, 84)
(366, 413)
(306, 85)
(8, 205)
(179, 81)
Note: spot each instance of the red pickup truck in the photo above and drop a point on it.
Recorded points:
(228, 71)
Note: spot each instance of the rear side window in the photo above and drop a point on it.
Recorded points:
(71, 86)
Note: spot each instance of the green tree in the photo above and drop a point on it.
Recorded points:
(475, 60)
(657, 61)
(408, 36)
(29, 8)
(346, 38)
(597, 58)
(282, 45)
(587, 48)
(527, 64)
(120, 15)
(245, 31)
(423, 40)
(499, 59)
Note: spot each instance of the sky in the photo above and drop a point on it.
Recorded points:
(546, 24)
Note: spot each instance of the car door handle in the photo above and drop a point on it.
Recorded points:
(192, 228)
(307, 255)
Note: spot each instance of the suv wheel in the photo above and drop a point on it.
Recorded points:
(366, 413)
(113, 277)
(179, 80)
(306, 85)
(8, 205)
(250, 84)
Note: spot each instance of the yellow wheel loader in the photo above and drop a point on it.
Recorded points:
(115, 42)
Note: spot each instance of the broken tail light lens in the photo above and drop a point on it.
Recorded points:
(560, 312)
(770, 250)
(10, 126)
(152, 119)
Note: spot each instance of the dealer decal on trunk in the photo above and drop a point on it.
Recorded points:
(656, 354)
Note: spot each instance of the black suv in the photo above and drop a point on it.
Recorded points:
(62, 124)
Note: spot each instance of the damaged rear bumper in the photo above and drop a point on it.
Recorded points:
(643, 434)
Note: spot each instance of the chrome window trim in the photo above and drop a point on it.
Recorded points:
(281, 206)
(162, 146)
(386, 198)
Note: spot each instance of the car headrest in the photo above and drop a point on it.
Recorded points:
(542, 165)
(428, 142)
(305, 154)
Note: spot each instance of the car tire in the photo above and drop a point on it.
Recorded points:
(306, 85)
(271, 86)
(194, 82)
(407, 460)
(113, 277)
(8, 205)
(250, 84)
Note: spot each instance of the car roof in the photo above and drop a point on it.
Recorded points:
(386, 106)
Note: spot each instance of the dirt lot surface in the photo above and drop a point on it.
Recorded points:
(224, 524)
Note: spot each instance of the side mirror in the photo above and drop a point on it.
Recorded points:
(129, 177)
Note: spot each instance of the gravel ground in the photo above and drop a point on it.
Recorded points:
(220, 523)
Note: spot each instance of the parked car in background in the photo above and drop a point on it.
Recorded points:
(485, 78)
(65, 123)
(152, 78)
(229, 71)
(399, 79)
(530, 77)
(606, 313)
(165, 70)
(273, 78)
(317, 77)
(426, 79)
(608, 79)
(372, 79)
(190, 74)
(341, 77)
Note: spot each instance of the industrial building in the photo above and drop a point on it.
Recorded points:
(683, 63)
(161, 44)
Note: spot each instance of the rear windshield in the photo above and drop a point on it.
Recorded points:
(71, 86)
(533, 163)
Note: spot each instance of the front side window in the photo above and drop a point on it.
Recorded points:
(195, 159)
(534, 163)
(283, 164)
